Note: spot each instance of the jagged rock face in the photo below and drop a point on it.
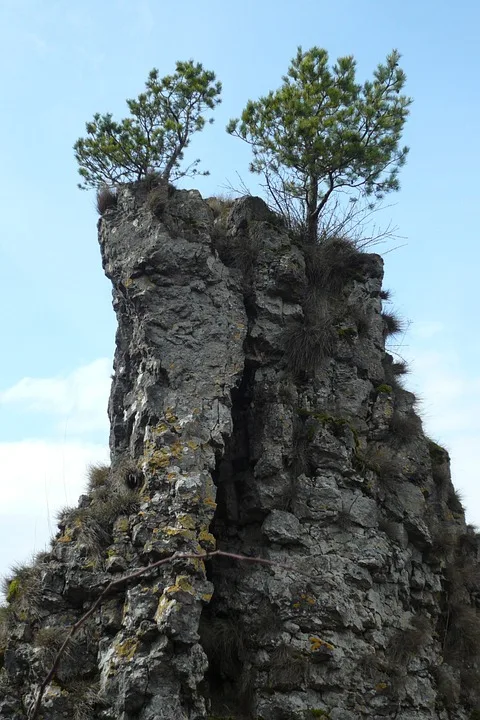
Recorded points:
(253, 409)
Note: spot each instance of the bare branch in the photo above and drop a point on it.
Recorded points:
(115, 584)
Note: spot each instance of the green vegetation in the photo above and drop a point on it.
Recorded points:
(113, 492)
(384, 388)
(23, 592)
(155, 136)
(13, 589)
(322, 133)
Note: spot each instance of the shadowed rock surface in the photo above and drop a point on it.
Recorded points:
(253, 409)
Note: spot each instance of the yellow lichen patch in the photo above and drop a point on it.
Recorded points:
(128, 282)
(160, 429)
(206, 538)
(210, 494)
(127, 648)
(197, 563)
(317, 643)
(159, 460)
(170, 417)
(182, 583)
(172, 476)
(381, 686)
(53, 691)
(165, 604)
(192, 445)
(182, 532)
(206, 597)
(64, 538)
(176, 449)
(122, 525)
(186, 521)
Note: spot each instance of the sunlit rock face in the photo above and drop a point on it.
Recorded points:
(253, 410)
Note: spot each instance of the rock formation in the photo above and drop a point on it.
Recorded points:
(254, 410)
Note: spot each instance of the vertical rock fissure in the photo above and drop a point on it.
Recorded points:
(253, 409)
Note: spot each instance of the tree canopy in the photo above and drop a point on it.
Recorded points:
(323, 133)
(154, 137)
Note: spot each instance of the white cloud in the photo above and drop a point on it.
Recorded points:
(450, 408)
(39, 478)
(40, 475)
(79, 399)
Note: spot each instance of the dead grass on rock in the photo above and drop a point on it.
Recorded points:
(106, 199)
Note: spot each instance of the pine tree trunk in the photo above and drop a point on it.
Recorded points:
(312, 214)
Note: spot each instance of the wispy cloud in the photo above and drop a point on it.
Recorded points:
(79, 398)
(450, 407)
(41, 474)
(38, 478)
(38, 474)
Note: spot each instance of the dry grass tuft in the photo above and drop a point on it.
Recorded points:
(382, 461)
(332, 264)
(289, 669)
(157, 199)
(306, 346)
(405, 427)
(462, 640)
(392, 324)
(23, 590)
(224, 644)
(408, 643)
(97, 476)
(455, 501)
(106, 198)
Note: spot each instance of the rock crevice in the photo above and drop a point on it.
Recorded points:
(255, 410)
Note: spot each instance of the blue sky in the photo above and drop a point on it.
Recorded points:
(64, 61)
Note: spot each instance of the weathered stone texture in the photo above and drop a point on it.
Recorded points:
(224, 439)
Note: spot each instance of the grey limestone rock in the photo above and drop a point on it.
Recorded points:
(358, 594)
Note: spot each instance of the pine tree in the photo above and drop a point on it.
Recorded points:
(154, 137)
(321, 133)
